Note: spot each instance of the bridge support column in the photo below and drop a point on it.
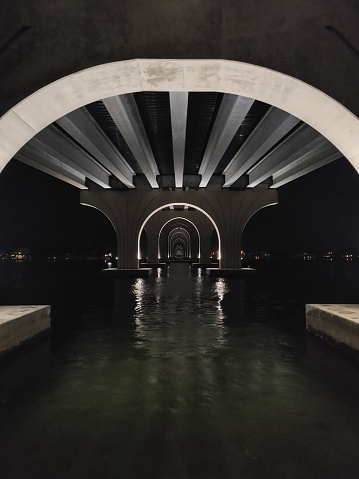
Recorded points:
(205, 228)
(122, 214)
(229, 211)
(152, 244)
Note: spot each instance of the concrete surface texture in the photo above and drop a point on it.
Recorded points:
(20, 323)
(288, 54)
(338, 321)
(315, 42)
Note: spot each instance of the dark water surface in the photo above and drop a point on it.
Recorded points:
(179, 376)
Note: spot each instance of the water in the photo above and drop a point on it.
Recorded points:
(209, 378)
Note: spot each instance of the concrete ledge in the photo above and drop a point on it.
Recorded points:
(153, 265)
(338, 321)
(227, 272)
(128, 273)
(21, 323)
(204, 265)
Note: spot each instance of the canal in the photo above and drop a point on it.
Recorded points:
(178, 376)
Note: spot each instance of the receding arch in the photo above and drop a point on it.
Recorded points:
(183, 219)
(179, 232)
(182, 204)
(43, 107)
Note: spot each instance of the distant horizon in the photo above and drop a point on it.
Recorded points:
(98, 253)
(316, 213)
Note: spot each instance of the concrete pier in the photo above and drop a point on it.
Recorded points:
(339, 322)
(21, 323)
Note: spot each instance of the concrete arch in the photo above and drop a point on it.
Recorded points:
(156, 224)
(184, 220)
(326, 115)
(184, 204)
(185, 238)
(179, 244)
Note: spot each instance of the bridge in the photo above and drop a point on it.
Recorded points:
(173, 140)
(214, 132)
(178, 141)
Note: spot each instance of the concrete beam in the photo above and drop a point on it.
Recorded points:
(320, 156)
(216, 182)
(141, 183)
(188, 181)
(83, 128)
(57, 145)
(230, 116)
(191, 181)
(52, 167)
(165, 181)
(303, 141)
(178, 106)
(272, 128)
(126, 116)
(240, 184)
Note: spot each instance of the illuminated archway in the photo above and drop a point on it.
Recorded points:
(31, 115)
(182, 204)
(181, 234)
(183, 219)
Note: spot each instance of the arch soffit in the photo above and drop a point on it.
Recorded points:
(175, 234)
(184, 204)
(177, 221)
(326, 115)
(180, 231)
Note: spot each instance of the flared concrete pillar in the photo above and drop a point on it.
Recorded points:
(233, 209)
(205, 228)
(228, 210)
(152, 245)
(121, 211)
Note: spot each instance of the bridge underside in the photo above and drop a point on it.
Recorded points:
(189, 142)
(170, 140)
(141, 134)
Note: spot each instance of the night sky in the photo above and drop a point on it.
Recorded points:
(315, 213)
(44, 214)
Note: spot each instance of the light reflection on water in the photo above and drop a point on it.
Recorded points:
(171, 311)
(177, 376)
